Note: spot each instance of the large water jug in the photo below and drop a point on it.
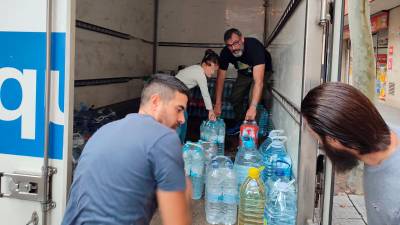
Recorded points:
(252, 200)
(246, 157)
(277, 162)
(221, 192)
(281, 204)
(268, 141)
(210, 151)
(209, 131)
(262, 121)
(194, 159)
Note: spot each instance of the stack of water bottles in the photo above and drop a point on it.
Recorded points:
(194, 159)
(214, 131)
(281, 203)
(221, 192)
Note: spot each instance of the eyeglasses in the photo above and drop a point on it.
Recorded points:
(234, 44)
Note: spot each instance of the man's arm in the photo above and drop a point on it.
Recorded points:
(258, 76)
(218, 91)
(174, 208)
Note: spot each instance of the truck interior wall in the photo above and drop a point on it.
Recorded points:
(287, 51)
(274, 11)
(104, 56)
(193, 21)
(296, 57)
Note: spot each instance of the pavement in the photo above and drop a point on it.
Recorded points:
(349, 209)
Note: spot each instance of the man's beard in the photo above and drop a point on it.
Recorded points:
(342, 160)
(237, 53)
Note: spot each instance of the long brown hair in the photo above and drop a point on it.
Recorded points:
(342, 112)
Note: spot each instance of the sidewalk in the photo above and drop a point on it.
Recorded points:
(348, 209)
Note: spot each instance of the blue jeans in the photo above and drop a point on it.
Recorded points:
(181, 130)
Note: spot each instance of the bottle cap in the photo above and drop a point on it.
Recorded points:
(254, 173)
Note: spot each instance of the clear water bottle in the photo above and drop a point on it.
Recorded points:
(230, 196)
(187, 157)
(210, 151)
(221, 136)
(194, 159)
(202, 127)
(268, 141)
(263, 121)
(221, 192)
(252, 200)
(277, 162)
(214, 194)
(281, 204)
(247, 156)
(210, 131)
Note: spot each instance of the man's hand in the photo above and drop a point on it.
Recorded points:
(174, 208)
(217, 109)
(251, 113)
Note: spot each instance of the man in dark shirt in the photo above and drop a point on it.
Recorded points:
(253, 64)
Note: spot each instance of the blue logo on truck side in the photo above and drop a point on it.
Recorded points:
(22, 86)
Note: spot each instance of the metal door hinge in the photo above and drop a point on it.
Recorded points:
(27, 186)
(326, 16)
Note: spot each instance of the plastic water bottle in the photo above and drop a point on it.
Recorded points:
(202, 127)
(210, 131)
(252, 200)
(193, 156)
(278, 164)
(281, 204)
(247, 156)
(210, 151)
(213, 194)
(221, 192)
(230, 196)
(263, 121)
(268, 141)
(187, 157)
(221, 136)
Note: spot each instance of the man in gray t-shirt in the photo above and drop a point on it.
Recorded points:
(350, 128)
(130, 166)
(382, 189)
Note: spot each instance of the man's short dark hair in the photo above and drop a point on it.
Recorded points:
(164, 85)
(342, 112)
(228, 34)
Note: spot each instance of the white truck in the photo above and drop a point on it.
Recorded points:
(57, 55)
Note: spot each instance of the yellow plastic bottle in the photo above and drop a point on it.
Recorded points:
(252, 200)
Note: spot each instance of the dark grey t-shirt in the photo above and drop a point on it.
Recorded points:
(120, 169)
(382, 190)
